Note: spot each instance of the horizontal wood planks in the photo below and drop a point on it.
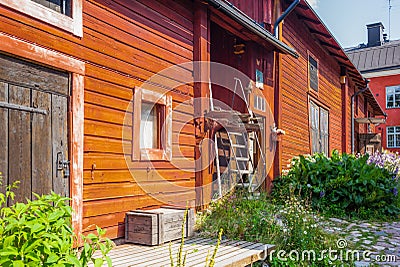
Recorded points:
(230, 253)
(124, 43)
(296, 95)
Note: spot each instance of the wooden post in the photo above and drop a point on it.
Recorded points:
(201, 75)
(277, 113)
(345, 108)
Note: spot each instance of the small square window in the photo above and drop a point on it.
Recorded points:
(152, 126)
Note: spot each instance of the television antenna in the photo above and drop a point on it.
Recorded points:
(390, 10)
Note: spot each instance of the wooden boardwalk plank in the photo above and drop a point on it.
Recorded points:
(230, 253)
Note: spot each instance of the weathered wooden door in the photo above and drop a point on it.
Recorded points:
(33, 128)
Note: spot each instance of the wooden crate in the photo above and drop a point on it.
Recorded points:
(154, 227)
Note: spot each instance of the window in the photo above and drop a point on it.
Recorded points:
(393, 96)
(393, 136)
(64, 14)
(259, 103)
(61, 6)
(313, 73)
(152, 125)
(149, 125)
(319, 122)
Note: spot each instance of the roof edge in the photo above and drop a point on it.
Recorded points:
(375, 103)
(349, 64)
(253, 26)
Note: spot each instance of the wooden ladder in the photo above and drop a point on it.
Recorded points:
(234, 164)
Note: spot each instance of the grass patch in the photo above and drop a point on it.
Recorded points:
(289, 225)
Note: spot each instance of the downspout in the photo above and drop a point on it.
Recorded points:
(352, 113)
(283, 16)
(278, 96)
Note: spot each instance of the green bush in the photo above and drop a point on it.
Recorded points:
(342, 185)
(39, 233)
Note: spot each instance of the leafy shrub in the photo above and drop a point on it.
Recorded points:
(343, 185)
(39, 233)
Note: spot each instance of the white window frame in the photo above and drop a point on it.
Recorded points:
(317, 112)
(310, 56)
(163, 153)
(396, 131)
(70, 24)
(394, 95)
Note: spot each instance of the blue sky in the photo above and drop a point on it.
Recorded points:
(347, 19)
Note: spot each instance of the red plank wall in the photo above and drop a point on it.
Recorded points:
(124, 43)
(295, 92)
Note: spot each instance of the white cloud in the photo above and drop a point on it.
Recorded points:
(313, 3)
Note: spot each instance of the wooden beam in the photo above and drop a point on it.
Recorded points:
(321, 33)
(345, 113)
(352, 75)
(353, 72)
(309, 20)
(346, 65)
(304, 7)
(201, 93)
(231, 26)
(339, 56)
(330, 46)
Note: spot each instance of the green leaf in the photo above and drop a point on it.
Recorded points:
(18, 263)
(8, 240)
(109, 262)
(98, 262)
(37, 227)
(73, 260)
(52, 258)
(55, 215)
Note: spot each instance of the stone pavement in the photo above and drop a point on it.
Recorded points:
(381, 239)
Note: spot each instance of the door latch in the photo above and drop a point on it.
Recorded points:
(62, 165)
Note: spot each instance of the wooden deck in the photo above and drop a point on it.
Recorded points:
(230, 253)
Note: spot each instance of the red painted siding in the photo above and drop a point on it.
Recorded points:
(296, 95)
(123, 44)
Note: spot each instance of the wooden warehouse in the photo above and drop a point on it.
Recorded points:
(315, 90)
(83, 114)
(72, 98)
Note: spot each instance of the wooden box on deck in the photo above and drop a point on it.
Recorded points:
(157, 226)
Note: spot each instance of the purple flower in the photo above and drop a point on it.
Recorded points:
(321, 194)
(395, 192)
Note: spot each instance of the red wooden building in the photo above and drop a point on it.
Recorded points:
(72, 100)
(315, 91)
(378, 61)
(79, 118)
